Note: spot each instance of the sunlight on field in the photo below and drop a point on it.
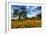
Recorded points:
(26, 23)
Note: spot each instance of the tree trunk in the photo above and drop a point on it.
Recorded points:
(19, 17)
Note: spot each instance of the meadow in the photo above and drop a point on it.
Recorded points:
(26, 23)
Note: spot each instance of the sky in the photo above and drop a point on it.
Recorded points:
(32, 10)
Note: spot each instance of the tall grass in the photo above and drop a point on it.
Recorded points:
(25, 23)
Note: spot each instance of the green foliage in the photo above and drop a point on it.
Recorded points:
(19, 13)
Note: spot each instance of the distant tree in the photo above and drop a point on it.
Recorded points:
(39, 16)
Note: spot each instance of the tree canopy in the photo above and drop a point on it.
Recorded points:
(19, 13)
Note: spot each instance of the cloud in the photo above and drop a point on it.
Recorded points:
(33, 11)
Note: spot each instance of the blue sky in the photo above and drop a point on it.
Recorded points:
(32, 10)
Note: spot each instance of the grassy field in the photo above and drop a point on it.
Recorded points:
(25, 23)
